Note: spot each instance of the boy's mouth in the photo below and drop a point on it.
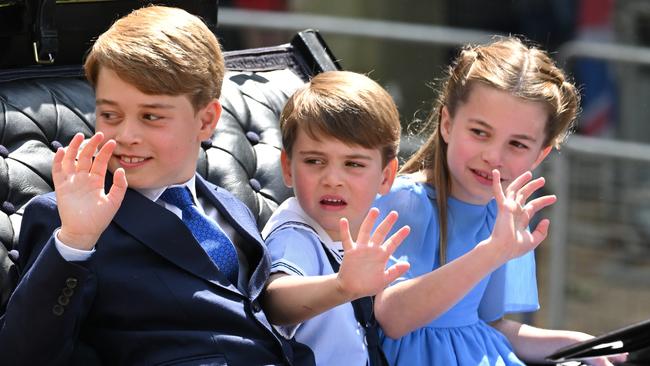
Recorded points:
(332, 202)
(126, 160)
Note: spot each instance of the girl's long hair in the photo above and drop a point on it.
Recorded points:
(506, 64)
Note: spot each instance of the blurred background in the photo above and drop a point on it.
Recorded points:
(594, 269)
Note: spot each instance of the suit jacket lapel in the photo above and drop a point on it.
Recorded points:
(165, 234)
(238, 216)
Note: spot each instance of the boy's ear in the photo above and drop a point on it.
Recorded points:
(285, 161)
(209, 116)
(388, 176)
(542, 155)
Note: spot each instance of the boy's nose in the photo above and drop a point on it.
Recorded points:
(332, 177)
(128, 133)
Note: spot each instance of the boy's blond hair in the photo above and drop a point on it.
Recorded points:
(161, 51)
(347, 106)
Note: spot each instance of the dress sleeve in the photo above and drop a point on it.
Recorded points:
(512, 288)
(295, 251)
(413, 204)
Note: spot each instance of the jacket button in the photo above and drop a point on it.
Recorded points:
(67, 292)
(63, 300)
(71, 282)
(57, 310)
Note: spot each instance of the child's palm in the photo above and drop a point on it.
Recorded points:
(84, 208)
(514, 214)
(363, 270)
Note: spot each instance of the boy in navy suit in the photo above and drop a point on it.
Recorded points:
(111, 260)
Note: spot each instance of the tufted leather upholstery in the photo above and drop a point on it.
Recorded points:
(43, 108)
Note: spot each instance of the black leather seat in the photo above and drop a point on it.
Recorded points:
(41, 108)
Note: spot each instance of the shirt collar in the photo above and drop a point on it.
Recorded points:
(155, 193)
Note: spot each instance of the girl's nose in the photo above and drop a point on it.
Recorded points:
(493, 156)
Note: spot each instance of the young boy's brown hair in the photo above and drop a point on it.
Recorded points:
(326, 106)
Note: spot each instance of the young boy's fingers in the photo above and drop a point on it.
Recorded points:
(68, 162)
(100, 164)
(365, 230)
(395, 271)
(344, 231)
(396, 240)
(383, 228)
(85, 157)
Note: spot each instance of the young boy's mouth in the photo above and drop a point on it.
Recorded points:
(333, 202)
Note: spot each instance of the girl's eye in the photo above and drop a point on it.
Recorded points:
(478, 132)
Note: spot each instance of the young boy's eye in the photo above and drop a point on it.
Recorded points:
(519, 145)
(354, 164)
(314, 161)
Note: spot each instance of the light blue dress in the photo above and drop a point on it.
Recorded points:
(460, 336)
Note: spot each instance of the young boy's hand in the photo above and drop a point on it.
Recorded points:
(510, 235)
(363, 270)
(84, 208)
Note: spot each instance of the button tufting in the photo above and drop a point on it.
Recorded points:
(13, 255)
(253, 137)
(4, 152)
(255, 184)
(8, 207)
(55, 145)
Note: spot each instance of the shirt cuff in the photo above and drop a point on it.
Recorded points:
(71, 254)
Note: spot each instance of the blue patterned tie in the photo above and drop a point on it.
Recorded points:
(206, 231)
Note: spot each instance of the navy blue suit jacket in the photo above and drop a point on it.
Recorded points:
(148, 295)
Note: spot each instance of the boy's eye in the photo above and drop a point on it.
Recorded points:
(314, 161)
(519, 145)
(354, 164)
(107, 115)
(150, 117)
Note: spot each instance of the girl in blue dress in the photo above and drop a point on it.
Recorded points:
(466, 197)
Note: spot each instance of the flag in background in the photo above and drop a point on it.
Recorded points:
(596, 80)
